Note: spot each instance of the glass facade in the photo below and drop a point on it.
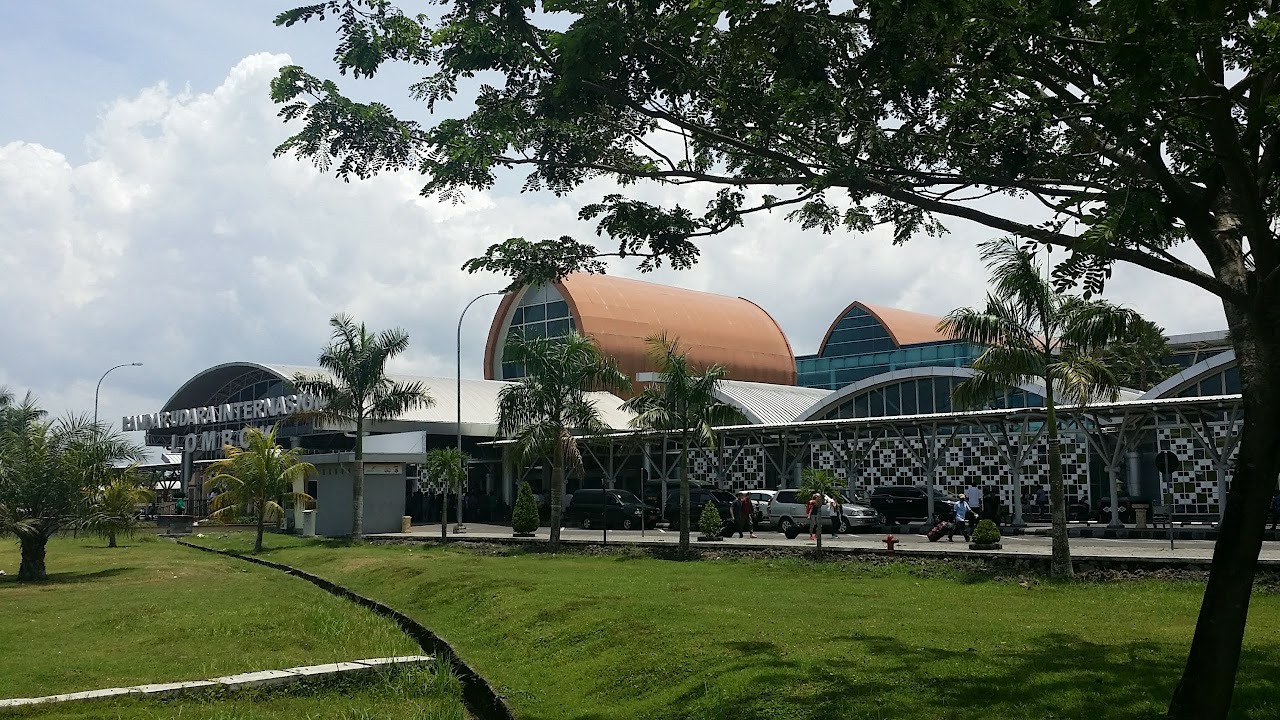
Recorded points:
(1223, 382)
(541, 312)
(917, 396)
(860, 347)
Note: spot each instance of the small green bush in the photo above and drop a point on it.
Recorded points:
(524, 518)
(709, 522)
(986, 533)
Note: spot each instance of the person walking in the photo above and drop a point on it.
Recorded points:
(973, 495)
(746, 514)
(814, 510)
(963, 511)
(837, 516)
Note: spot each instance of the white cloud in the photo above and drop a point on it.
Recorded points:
(182, 243)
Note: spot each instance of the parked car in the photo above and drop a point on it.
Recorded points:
(760, 500)
(592, 507)
(699, 497)
(787, 513)
(653, 490)
(911, 502)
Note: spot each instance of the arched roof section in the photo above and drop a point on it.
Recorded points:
(903, 327)
(824, 406)
(1194, 374)
(764, 403)
(620, 313)
(479, 397)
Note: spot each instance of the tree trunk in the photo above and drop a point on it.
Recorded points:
(684, 493)
(444, 512)
(111, 538)
(32, 566)
(557, 493)
(257, 542)
(1208, 680)
(818, 511)
(1060, 565)
(357, 486)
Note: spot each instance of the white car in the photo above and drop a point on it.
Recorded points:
(760, 500)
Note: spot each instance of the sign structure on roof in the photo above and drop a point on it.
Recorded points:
(281, 406)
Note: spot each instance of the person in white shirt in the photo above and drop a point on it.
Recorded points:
(973, 494)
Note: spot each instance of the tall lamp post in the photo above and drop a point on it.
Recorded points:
(459, 527)
(104, 377)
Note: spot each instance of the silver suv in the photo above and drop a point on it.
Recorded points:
(787, 514)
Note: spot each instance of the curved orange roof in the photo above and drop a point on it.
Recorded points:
(620, 313)
(904, 326)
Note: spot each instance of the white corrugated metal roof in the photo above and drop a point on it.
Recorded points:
(766, 403)
(479, 401)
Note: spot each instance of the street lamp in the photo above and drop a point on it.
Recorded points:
(104, 377)
(459, 527)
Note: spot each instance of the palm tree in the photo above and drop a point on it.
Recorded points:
(1138, 357)
(825, 483)
(684, 401)
(113, 508)
(46, 475)
(358, 391)
(260, 477)
(549, 407)
(447, 465)
(1033, 333)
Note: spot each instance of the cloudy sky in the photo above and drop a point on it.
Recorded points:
(142, 218)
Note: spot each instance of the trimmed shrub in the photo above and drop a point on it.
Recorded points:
(524, 517)
(986, 533)
(709, 521)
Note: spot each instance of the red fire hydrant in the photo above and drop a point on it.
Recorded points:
(890, 541)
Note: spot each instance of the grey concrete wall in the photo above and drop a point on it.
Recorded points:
(383, 503)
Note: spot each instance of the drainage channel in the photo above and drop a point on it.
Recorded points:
(481, 700)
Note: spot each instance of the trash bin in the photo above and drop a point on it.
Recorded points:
(308, 523)
(405, 523)
(1141, 510)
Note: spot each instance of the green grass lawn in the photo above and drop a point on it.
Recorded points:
(411, 694)
(151, 611)
(574, 636)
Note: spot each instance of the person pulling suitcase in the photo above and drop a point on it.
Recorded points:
(963, 511)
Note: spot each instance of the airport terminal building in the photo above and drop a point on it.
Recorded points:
(872, 404)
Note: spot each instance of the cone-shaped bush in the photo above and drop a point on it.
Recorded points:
(709, 522)
(986, 533)
(524, 518)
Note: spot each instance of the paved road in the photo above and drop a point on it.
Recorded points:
(1016, 544)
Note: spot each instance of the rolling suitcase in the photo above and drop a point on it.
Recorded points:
(938, 531)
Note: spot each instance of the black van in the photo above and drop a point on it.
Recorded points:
(592, 507)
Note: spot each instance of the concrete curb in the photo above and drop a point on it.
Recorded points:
(477, 694)
(242, 681)
(999, 558)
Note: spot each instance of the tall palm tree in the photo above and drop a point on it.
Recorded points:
(46, 474)
(448, 466)
(1138, 357)
(113, 507)
(1033, 333)
(260, 477)
(549, 408)
(825, 483)
(358, 391)
(682, 400)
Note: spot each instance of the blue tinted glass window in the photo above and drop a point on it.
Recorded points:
(535, 312)
(556, 328)
(909, 404)
(875, 403)
(1233, 380)
(893, 400)
(862, 406)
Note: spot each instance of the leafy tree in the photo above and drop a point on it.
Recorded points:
(260, 478)
(1123, 129)
(1033, 333)
(710, 522)
(447, 466)
(822, 481)
(113, 508)
(548, 409)
(358, 391)
(46, 473)
(986, 533)
(524, 517)
(1137, 359)
(682, 399)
